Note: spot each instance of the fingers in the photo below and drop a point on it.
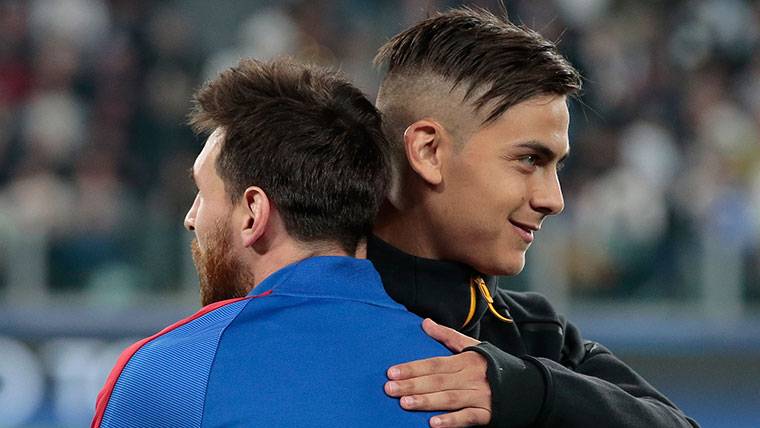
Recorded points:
(462, 418)
(444, 383)
(436, 365)
(469, 379)
(450, 338)
(447, 400)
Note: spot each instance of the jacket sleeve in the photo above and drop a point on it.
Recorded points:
(590, 387)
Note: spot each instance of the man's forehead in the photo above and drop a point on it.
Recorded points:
(539, 123)
(210, 149)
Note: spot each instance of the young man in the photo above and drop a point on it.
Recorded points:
(289, 183)
(476, 111)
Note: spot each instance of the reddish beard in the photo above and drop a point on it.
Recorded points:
(221, 275)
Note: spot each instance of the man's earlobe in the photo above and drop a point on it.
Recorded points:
(256, 215)
(422, 145)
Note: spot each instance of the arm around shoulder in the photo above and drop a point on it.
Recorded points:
(590, 387)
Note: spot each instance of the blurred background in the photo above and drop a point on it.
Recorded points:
(657, 254)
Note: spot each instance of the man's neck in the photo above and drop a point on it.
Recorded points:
(289, 253)
(405, 230)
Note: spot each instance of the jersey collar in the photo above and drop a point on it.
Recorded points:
(338, 277)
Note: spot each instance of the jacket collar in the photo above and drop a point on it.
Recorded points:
(434, 289)
(328, 277)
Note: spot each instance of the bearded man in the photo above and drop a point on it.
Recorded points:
(296, 331)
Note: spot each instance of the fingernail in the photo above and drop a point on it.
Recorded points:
(407, 401)
(392, 387)
(436, 422)
(394, 372)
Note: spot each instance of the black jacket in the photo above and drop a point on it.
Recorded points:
(541, 372)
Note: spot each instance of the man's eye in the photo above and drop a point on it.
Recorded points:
(529, 160)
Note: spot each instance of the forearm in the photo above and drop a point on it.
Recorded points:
(531, 391)
(578, 399)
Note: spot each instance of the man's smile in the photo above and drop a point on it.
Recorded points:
(524, 230)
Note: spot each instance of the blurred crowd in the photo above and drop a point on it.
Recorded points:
(663, 180)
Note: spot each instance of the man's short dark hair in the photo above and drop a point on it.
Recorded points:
(499, 64)
(307, 137)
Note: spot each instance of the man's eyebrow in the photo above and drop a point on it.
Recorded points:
(191, 174)
(543, 150)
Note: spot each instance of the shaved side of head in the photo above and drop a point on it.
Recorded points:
(464, 68)
(405, 98)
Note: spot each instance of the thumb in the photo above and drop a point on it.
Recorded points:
(449, 337)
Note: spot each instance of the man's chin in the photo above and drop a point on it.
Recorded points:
(222, 277)
(503, 267)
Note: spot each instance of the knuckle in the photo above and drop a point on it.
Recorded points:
(482, 368)
(437, 383)
(421, 401)
(450, 398)
(469, 357)
(458, 419)
(436, 364)
(476, 373)
(476, 358)
(484, 417)
(471, 417)
(405, 387)
(476, 378)
(411, 370)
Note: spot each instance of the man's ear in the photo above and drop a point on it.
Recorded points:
(256, 216)
(422, 144)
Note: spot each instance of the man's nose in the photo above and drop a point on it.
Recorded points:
(189, 223)
(547, 196)
(190, 216)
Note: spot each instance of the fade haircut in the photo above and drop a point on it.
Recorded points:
(307, 137)
(484, 60)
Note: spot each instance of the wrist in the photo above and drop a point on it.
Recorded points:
(518, 386)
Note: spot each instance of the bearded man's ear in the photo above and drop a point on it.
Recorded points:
(256, 215)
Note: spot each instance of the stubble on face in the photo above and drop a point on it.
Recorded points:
(221, 275)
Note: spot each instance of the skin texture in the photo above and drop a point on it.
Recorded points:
(478, 203)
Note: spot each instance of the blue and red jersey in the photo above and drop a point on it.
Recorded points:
(308, 347)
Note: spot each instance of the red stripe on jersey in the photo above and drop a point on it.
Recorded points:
(105, 393)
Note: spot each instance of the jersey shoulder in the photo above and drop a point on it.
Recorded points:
(161, 380)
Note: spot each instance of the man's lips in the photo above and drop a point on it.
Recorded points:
(525, 230)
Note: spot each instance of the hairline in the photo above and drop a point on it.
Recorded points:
(468, 98)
